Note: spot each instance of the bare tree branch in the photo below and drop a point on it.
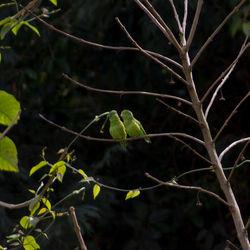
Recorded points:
(200, 189)
(150, 56)
(217, 90)
(237, 161)
(77, 228)
(158, 21)
(184, 21)
(11, 125)
(231, 115)
(121, 92)
(244, 47)
(210, 39)
(192, 149)
(194, 24)
(176, 16)
(102, 46)
(231, 146)
(128, 139)
(178, 111)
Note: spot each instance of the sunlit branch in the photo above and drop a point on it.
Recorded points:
(210, 39)
(128, 139)
(157, 20)
(200, 189)
(184, 21)
(194, 24)
(231, 146)
(231, 115)
(244, 47)
(150, 56)
(121, 92)
(217, 90)
(176, 16)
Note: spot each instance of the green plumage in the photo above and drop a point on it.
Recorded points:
(133, 126)
(117, 129)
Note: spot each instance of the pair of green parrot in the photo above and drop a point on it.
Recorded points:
(130, 126)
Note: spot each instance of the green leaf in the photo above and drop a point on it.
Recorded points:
(5, 29)
(96, 190)
(9, 107)
(54, 2)
(8, 155)
(132, 194)
(60, 169)
(47, 203)
(16, 28)
(42, 211)
(32, 27)
(29, 243)
(38, 166)
(5, 20)
(24, 222)
(34, 205)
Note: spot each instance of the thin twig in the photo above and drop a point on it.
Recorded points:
(244, 47)
(150, 56)
(128, 139)
(157, 20)
(237, 161)
(216, 32)
(217, 90)
(231, 244)
(231, 115)
(176, 17)
(231, 146)
(184, 21)
(193, 150)
(77, 228)
(177, 111)
(200, 189)
(11, 125)
(194, 24)
(121, 92)
(80, 40)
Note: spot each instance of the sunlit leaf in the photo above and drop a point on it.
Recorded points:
(24, 222)
(82, 173)
(60, 169)
(132, 194)
(42, 211)
(32, 191)
(96, 190)
(8, 155)
(54, 2)
(47, 203)
(29, 243)
(38, 166)
(9, 107)
(17, 28)
(32, 28)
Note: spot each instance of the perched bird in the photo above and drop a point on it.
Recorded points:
(117, 129)
(133, 127)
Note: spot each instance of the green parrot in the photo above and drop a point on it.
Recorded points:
(117, 129)
(133, 126)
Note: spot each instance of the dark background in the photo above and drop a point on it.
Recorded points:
(162, 218)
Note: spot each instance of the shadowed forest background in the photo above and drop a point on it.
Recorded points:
(159, 219)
